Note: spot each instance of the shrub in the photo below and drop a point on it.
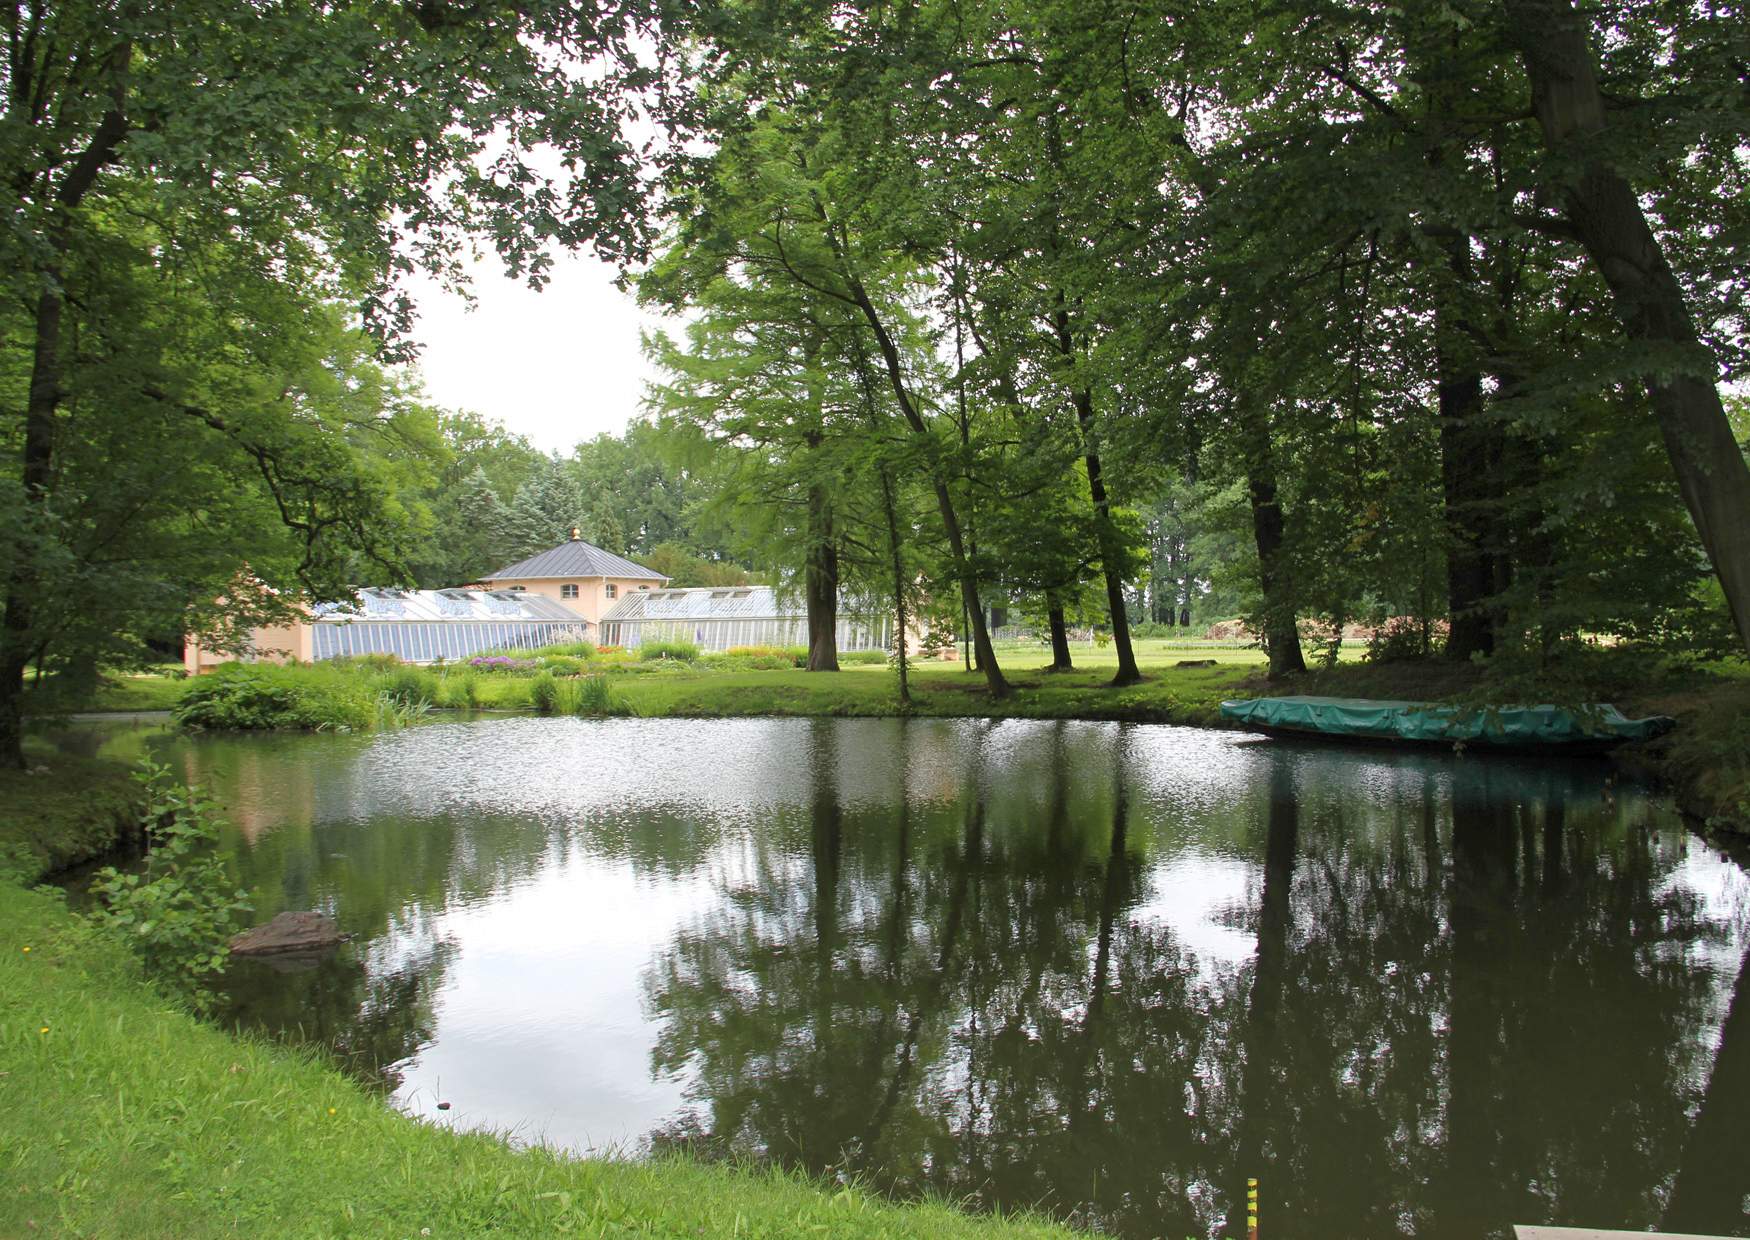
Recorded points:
(566, 650)
(263, 696)
(757, 658)
(369, 662)
(394, 713)
(1401, 638)
(937, 641)
(1229, 631)
(594, 696)
(544, 693)
(178, 912)
(684, 652)
(409, 686)
(501, 663)
(863, 656)
(772, 656)
(564, 664)
(457, 690)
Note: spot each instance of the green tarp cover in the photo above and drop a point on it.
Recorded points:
(1424, 721)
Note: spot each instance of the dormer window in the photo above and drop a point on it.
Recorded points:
(568, 590)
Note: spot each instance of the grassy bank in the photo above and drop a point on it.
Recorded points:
(61, 811)
(122, 1116)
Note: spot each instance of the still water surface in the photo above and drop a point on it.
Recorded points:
(1106, 970)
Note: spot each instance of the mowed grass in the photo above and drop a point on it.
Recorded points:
(113, 692)
(937, 689)
(122, 1116)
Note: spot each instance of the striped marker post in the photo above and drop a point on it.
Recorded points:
(1252, 1208)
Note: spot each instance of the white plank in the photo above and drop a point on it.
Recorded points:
(1592, 1233)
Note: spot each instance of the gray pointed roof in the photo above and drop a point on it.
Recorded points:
(574, 559)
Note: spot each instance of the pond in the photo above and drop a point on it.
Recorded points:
(1109, 971)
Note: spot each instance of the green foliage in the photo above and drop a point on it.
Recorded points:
(61, 811)
(263, 697)
(408, 687)
(544, 692)
(853, 658)
(1402, 638)
(684, 567)
(177, 913)
(593, 695)
(457, 690)
(684, 652)
(570, 650)
(762, 657)
(341, 696)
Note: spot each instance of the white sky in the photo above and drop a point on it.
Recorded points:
(560, 366)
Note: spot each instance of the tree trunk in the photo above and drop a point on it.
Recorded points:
(18, 641)
(1466, 477)
(1281, 636)
(1060, 660)
(36, 469)
(1602, 209)
(900, 658)
(821, 585)
(987, 659)
(1111, 554)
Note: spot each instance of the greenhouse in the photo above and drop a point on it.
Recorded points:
(425, 626)
(720, 618)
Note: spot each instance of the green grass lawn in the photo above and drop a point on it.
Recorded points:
(114, 692)
(122, 1116)
(1168, 695)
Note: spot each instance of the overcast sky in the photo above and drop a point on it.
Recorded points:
(559, 366)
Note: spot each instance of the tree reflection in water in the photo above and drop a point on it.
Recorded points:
(1103, 970)
(1470, 1003)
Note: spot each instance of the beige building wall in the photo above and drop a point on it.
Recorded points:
(592, 592)
(279, 643)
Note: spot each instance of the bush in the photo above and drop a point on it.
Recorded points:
(1400, 639)
(594, 696)
(264, 697)
(369, 662)
(864, 656)
(684, 652)
(457, 690)
(544, 693)
(409, 687)
(501, 663)
(771, 656)
(757, 658)
(566, 650)
(564, 664)
(178, 913)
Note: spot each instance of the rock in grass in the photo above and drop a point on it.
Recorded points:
(289, 933)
